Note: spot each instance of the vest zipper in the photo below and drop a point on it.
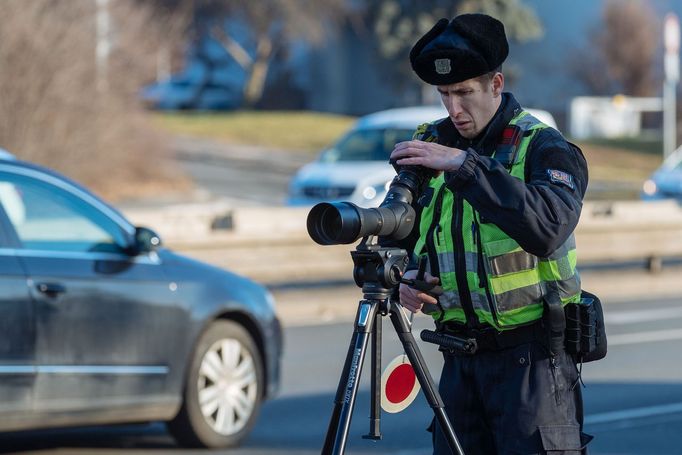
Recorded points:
(461, 265)
(480, 268)
(430, 243)
(482, 274)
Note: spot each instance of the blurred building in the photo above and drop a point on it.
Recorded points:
(538, 72)
(348, 81)
(343, 76)
(612, 117)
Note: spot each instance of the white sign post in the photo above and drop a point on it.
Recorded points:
(671, 40)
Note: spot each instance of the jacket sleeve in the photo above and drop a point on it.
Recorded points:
(539, 213)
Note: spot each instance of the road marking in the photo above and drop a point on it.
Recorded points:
(644, 337)
(637, 316)
(636, 413)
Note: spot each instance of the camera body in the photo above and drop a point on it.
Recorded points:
(333, 223)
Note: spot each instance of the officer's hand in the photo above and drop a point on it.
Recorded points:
(428, 154)
(414, 300)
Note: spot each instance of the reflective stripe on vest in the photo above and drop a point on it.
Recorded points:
(506, 284)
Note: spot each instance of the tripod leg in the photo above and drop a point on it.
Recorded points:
(404, 331)
(375, 406)
(337, 433)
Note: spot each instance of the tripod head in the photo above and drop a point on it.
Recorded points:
(378, 270)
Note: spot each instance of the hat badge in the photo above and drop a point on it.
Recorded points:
(442, 65)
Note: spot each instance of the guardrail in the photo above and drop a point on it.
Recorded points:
(629, 230)
(272, 244)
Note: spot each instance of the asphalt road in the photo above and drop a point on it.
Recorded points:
(633, 398)
(245, 175)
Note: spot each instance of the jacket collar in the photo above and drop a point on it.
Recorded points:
(487, 140)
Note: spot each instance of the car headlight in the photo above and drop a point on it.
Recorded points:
(649, 188)
(370, 192)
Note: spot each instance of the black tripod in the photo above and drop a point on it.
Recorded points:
(378, 271)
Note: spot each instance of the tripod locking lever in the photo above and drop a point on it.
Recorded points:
(429, 288)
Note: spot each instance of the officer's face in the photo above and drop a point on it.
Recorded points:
(472, 103)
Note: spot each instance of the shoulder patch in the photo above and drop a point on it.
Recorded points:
(561, 178)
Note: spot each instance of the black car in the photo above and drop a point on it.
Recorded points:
(100, 324)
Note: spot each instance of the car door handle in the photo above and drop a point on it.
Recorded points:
(51, 289)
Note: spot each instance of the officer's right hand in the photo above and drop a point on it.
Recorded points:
(428, 154)
(412, 299)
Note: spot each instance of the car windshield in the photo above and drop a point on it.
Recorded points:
(366, 145)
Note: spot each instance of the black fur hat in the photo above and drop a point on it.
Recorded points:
(468, 46)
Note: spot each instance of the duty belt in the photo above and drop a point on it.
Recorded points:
(490, 339)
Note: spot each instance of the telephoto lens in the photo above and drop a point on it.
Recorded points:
(334, 223)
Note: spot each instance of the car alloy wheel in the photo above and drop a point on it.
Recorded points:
(223, 390)
(227, 386)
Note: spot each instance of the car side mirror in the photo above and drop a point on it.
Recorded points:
(146, 240)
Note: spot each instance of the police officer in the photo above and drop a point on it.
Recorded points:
(496, 228)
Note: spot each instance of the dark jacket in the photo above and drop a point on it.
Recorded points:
(539, 213)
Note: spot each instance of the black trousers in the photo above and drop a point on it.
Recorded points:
(513, 401)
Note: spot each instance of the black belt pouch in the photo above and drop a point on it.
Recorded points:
(585, 335)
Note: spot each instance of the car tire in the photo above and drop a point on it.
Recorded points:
(223, 389)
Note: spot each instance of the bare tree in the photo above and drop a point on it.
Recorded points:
(628, 42)
(51, 110)
(622, 51)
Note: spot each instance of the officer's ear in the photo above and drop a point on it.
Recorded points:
(497, 84)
